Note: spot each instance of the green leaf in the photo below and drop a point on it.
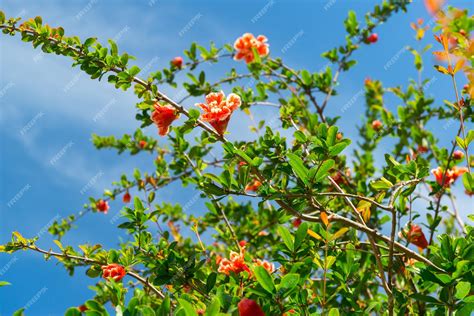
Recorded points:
(211, 281)
(264, 279)
(214, 308)
(462, 290)
(298, 167)
(425, 298)
(306, 78)
(333, 312)
(165, 307)
(134, 71)
(73, 311)
(381, 184)
(287, 238)
(137, 203)
(332, 133)
(289, 281)
(443, 277)
(300, 235)
(339, 147)
(187, 307)
(324, 170)
(4, 283)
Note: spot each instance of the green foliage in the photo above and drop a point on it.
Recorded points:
(290, 194)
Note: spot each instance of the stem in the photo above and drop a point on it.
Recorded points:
(92, 261)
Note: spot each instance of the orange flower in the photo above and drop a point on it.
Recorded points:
(163, 116)
(253, 186)
(113, 271)
(270, 267)
(235, 263)
(245, 44)
(102, 206)
(450, 176)
(433, 6)
(217, 109)
(415, 236)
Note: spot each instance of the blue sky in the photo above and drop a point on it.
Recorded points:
(49, 109)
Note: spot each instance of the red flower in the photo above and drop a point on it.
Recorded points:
(242, 243)
(376, 125)
(270, 267)
(297, 222)
(422, 149)
(127, 197)
(450, 176)
(177, 62)
(217, 110)
(113, 271)
(163, 116)
(415, 236)
(142, 144)
(458, 155)
(102, 206)
(253, 186)
(248, 307)
(82, 308)
(245, 44)
(373, 38)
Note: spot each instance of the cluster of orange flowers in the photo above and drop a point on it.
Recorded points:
(217, 109)
(449, 176)
(247, 44)
(236, 263)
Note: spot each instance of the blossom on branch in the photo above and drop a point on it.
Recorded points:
(414, 235)
(270, 267)
(218, 109)
(449, 176)
(246, 44)
(163, 116)
(102, 206)
(235, 263)
(113, 271)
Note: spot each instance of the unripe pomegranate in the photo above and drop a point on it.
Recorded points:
(177, 62)
(373, 38)
(458, 155)
(376, 125)
(127, 197)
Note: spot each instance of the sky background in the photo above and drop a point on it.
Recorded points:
(49, 109)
